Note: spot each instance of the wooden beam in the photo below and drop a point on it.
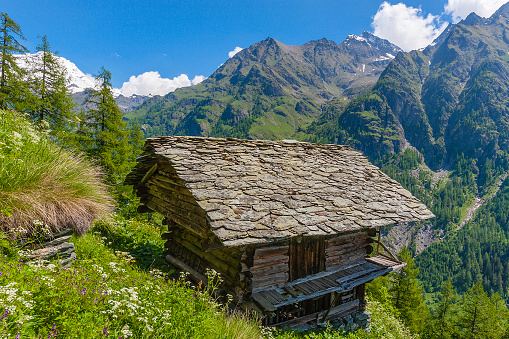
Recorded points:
(185, 268)
(149, 173)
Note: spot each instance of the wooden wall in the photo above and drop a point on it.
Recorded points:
(346, 249)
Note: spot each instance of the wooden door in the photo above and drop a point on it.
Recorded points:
(307, 256)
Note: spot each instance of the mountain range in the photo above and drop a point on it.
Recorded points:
(270, 90)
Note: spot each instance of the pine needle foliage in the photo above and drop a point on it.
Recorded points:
(103, 134)
(53, 101)
(14, 91)
(42, 184)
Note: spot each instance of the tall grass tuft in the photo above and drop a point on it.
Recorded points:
(43, 186)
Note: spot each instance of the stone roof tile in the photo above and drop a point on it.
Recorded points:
(256, 190)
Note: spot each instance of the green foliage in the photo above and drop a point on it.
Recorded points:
(477, 252)
(53, 102)
(406, 292)
(442, 322)
(481, 316)
(103, 134)
(102, 296)
(14, 92)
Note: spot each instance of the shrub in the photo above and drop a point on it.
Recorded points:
(43, 185)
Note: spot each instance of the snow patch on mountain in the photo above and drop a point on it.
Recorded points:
(146, 84)
(78, 81)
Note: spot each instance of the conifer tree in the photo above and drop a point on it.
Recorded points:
(406, 292)
(442, 323)
(14, 92)
(54, 102)
(480, 316)
(104, 135)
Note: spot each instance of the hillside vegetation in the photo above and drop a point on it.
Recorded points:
(119, 285)
(43, 184)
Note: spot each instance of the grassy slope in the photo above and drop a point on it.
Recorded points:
(117, 287)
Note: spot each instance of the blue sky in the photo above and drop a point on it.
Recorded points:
(172, 38)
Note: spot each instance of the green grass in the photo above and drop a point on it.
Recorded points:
(107, 295)
(42, 184)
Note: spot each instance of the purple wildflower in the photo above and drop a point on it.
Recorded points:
(105, 332)
(6, 313)
(19, 335)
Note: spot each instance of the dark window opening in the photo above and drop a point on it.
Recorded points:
(307, 256)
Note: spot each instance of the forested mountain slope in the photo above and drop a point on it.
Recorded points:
(449, 101)
(270, 89)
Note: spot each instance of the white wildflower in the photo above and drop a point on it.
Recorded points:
(125, 331)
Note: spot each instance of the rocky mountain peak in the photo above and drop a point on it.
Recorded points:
(385, 46)
(503, 11)
(474, 19)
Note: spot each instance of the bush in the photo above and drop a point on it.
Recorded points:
(44, 186)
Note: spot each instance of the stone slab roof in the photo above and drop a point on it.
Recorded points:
(256, 191)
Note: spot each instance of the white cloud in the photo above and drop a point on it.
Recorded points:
(152, 83)
(197, 79)
(235, 51)
(407, 27)
(460, 9)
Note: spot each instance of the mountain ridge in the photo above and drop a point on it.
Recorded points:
(270, 87)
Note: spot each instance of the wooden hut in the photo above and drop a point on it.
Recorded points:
(288, 225)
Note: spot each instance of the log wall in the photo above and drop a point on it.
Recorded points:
(269, 266)
(186, 247)
(346, 249)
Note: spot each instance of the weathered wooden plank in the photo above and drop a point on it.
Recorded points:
(197, 276)
(271, 251)
(269, 270)
(355, 275)
(149, 174)
(185, 223)
(181, 191)
(260, 282)
(276, 260)
(169, 196)
(345, 238)
(228, 255)
(195, 214)
(222, 267)
(291, 291)
(343, 310)
(264, 303)
(275, 295)
(366, 279)
(340, 251)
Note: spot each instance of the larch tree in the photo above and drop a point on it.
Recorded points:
(103, 133)
(481, 316)
(442, 325)
(54, 102)
(406, 292)
(14, 92)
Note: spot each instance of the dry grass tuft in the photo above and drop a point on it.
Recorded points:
(42, 186)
